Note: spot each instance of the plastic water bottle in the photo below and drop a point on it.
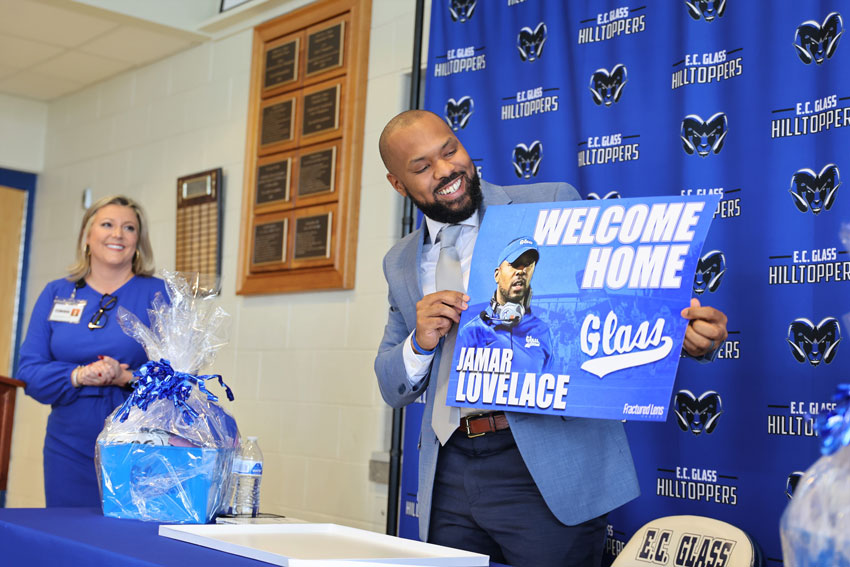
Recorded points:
(247, 474)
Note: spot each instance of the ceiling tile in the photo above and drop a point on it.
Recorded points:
(135, 45)
(81, 67)
(51, 24)
(33, 85)
(78, 45)
(23, 53)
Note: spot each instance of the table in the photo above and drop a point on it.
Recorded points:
(83, 536)
(35, 537)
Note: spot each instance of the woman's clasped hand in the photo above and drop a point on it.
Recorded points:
(103, 372)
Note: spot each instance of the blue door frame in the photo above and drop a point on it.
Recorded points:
(25, 182)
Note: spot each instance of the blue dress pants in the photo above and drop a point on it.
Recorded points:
(485, 501)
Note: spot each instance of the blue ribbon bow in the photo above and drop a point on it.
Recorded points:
(833, 426)
(159, 381)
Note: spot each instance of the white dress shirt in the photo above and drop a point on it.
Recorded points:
(417, 365)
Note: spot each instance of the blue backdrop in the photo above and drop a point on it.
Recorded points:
(746, 100)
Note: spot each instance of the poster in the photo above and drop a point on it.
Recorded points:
(575, 306)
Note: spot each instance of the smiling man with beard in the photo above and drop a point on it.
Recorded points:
(525, 489)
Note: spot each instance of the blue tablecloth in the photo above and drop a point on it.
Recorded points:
(79, 537)
(33, 537)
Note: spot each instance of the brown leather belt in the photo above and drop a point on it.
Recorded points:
(477, 425)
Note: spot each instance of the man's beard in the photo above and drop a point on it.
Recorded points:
(519, 297)
(441, 213)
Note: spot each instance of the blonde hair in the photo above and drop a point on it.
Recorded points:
(142, 258)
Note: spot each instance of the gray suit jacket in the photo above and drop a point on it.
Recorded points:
(583, 467)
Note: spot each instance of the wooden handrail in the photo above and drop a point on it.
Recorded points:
(8, 388)
(6, 381)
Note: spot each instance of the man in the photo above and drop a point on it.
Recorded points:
(534, 489)
(508, 321)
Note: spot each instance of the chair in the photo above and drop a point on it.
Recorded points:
(689, 540)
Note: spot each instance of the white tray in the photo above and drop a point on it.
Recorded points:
(295, 545)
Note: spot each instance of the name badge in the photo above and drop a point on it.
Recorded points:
(67, 310)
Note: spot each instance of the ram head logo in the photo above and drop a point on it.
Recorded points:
(817, 42)
(704, 137)
(698, 415)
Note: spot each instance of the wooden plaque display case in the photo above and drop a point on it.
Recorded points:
(199, 222)
(304, 149)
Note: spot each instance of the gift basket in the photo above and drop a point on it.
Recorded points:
(166, 454)
(815, 527)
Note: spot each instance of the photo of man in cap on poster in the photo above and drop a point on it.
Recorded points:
(509, 321)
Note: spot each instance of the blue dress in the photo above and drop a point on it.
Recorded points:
(50, 352)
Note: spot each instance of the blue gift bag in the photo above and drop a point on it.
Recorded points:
(170, 484)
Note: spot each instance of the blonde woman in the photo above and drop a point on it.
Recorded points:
(75, 356)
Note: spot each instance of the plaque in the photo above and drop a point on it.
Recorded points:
(303, 162)
(313, 237)
(316, 172)
(281, 64)
(270, 242)
(277, 122)
(321, 111)
(324, 49)
(273, 181)
(198, 227)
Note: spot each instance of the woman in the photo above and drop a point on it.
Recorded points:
(75, 356)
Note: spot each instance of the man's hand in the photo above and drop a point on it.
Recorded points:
(435, 314)
(706, 328)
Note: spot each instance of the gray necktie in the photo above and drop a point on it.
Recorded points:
(448, 275)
